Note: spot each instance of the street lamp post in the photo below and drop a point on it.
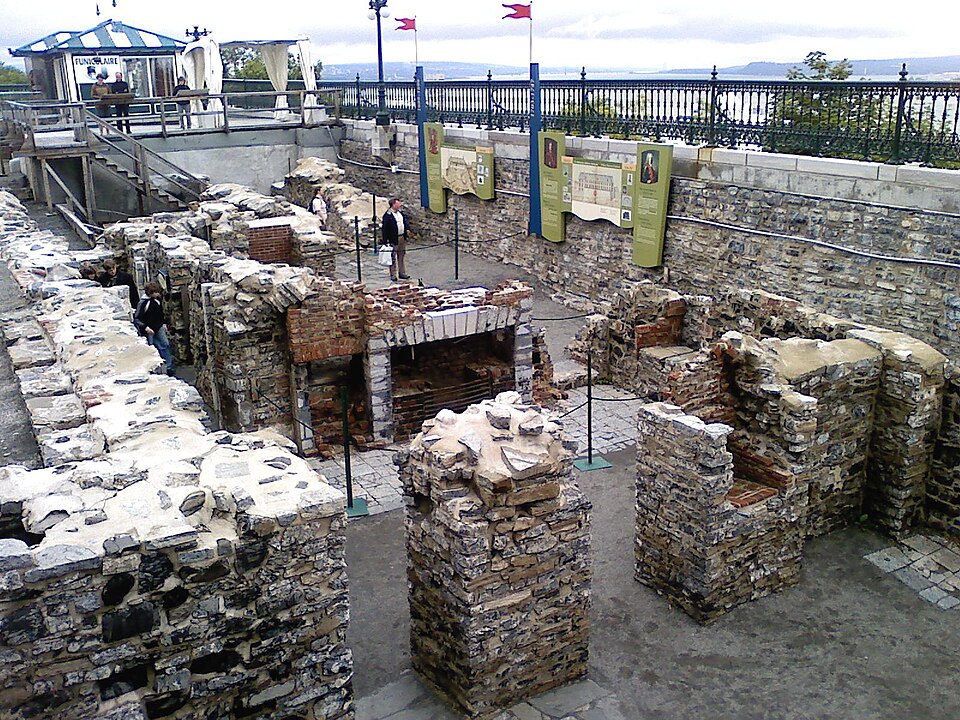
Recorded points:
(383, 117)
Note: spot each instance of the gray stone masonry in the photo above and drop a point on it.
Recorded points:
(498, 547)
(705, 538)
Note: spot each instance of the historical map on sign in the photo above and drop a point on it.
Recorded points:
(462, 169)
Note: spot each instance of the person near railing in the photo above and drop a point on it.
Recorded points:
(121, 107)
(183, 106)
(99, 89)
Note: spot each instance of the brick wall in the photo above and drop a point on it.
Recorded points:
(330, 323)
(270, 240)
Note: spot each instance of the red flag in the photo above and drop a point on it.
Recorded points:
(519, 12)
(406, 23)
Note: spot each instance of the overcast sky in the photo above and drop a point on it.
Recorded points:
(596, 33)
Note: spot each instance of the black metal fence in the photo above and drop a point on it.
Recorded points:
(895, 122)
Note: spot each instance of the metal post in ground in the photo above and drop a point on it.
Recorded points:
(356, 507)
(356, 238)
(456, 244)
(374, 223)
(590, 463)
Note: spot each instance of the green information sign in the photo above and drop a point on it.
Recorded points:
(629, 194)
(464, 170)
(650, 198)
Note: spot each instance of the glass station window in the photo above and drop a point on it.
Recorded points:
(135, 73)
(163, 76)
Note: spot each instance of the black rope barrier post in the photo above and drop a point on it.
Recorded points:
(374, 224)
(356, 507)
(456, 244)
(590, 463)
(356, 238)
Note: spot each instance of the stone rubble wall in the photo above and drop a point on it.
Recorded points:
(176, 573)
(908, 414)
(705, 538)
(844, 377)
(498, 547)
(943, 487)
(344, 201)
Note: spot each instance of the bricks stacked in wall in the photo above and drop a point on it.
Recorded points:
(330, 323)
(499, 557)
(907, 421)
(271, 244)
(544, 392)
(705, 538)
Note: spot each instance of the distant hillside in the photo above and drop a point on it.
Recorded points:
(917, 67)
(442, 70)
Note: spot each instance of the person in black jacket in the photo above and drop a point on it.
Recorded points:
(394, 232)
(122, 108)
(112, 276)
(151, 322)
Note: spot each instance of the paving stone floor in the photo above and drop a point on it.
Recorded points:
(408, 699)
(927, 564)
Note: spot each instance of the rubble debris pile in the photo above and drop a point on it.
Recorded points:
(498, 545)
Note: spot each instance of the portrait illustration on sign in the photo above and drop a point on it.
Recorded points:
(650, 167)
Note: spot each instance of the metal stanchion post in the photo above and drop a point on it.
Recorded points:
(374, 225)
(456, 244)
(356, 237)
(589, 463)
(356, 507)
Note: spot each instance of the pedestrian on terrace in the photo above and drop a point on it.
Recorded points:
(150, 321)
(394, 233)
(318, 206)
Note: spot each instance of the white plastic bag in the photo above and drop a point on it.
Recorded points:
(385, 256)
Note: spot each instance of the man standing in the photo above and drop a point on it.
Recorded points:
(112, 276)
(394, 232)
(122, 107)
(152, 323)
(183, 106)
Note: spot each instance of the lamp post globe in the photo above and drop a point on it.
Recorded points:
(383, 116)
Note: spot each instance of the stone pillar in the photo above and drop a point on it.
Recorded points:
(908, 414)
(498, 550)
(377, 368)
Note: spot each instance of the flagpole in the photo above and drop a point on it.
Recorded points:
(531, 31)
(416, 47)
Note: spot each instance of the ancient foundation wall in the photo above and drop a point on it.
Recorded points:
(498, 547)
(175, 573)
(706, 537)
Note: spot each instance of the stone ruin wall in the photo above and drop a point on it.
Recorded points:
(921, 301)
(708, 537)
(498, 547)
(107, 564)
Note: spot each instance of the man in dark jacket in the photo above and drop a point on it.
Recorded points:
(151, 322)
(122, 107)
(394, 232)
(112, 276)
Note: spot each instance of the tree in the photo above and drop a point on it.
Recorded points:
(9, 75)
(820, 118)
(246, 63)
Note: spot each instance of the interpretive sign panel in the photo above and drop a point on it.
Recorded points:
(463, 169)
(630, 195)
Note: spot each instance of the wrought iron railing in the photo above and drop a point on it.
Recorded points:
(900, 121)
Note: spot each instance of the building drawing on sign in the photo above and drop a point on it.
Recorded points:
(459, 170)
(595, 188)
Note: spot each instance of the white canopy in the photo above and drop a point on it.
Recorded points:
(204, 69)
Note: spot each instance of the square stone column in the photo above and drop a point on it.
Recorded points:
(498, 550)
